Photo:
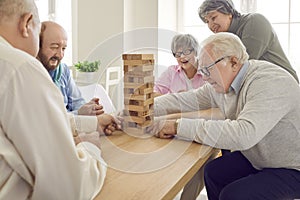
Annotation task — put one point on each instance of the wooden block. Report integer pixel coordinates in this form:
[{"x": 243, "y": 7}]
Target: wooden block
[
  {"x": 137, "y": 88},
  {"x": 146, "y": 90},
  {"x": 138, "y": 119},
  {"x": 135, "y": 113},
  {"x": 138, "y": 97},
  {"x": 137, "y": 91},
  {"x": 139, "y": 102},
  {"x": 137, "y": 56},
  {"x": 140, "y": 86},
  {"x": 129, "y": 124},
  {"x": 138, "y": 79},
  {"x": 141, "y": 68},
  {"x": 139, "y": 73},
  {"x": 138, "y": 62},
  {"x": 133, "y": 85},
  {"x": 138, "y": 108}
]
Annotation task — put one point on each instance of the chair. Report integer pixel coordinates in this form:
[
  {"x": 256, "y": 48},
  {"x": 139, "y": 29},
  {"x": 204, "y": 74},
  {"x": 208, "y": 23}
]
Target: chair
[
  {"x": 113, "y": 76},
  {"x": 96, "y": 90},
  {"x": 109, "y": 79}
]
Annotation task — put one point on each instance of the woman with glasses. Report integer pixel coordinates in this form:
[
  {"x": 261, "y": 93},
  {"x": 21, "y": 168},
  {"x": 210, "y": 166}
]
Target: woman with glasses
[
  {"x": 184, "y": 76},
  {"x": 253, "y": 29}
]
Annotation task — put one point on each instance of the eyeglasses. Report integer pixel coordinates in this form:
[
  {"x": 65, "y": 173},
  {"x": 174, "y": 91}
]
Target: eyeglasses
[
  {"x": 184, "y": 52},
  {"x": 205, "y": 70}
]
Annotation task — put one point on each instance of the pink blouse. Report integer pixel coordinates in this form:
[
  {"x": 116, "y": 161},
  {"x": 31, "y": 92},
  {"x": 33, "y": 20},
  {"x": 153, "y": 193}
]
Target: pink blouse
[{"x": 174, "y": 80}]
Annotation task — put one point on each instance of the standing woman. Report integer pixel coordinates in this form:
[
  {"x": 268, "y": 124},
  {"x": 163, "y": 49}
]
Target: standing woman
[
  {"x": 253, "y": 29},
  {"x": 184, "y": 76}
]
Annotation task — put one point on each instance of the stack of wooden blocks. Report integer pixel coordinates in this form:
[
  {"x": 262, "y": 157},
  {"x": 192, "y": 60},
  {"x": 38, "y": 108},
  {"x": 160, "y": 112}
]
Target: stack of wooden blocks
[{"x": 138, "y": 92}]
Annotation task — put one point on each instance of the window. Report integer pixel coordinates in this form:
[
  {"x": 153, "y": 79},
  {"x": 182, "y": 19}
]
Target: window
[
  {"x": 60, "y": 12},
  {"x": 283, "y": 15}
]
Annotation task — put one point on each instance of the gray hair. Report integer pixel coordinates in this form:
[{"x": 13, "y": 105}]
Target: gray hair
[
  {"x": 226, "y": 44},
  {"x": 11, "y": 8},
  {"x": 185, "y": 41},
  {"x": 222, "y": 6}
]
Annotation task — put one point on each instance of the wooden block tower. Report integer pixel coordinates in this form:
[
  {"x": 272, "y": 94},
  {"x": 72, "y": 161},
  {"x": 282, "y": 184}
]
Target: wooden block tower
[{"x": 138, "y": 92}]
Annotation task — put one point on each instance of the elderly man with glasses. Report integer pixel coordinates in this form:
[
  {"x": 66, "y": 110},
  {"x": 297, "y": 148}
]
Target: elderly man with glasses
[{"x": 261, "y": 105}]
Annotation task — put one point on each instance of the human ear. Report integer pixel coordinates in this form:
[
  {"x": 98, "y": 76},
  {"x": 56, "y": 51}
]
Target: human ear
[
  {"x": 24, "y": 24},
  {"x": 234, "y": 61}
]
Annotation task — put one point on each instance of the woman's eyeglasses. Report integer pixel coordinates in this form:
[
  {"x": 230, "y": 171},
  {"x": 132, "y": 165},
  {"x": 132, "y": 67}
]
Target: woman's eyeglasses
[{"x": 184, "y": 52}]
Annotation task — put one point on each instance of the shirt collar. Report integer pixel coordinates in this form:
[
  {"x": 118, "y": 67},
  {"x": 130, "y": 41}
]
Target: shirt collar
[
  {"x": 234, "y": 25},
  {"x": 178, "y": 68},
  {"x": 56, "y": 74},
  {"x": 5, "y": 42},
  {"x": 237, "y": 82}
]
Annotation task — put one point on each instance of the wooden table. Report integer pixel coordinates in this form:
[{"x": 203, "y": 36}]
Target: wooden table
[{"x": 149, "y": 168}]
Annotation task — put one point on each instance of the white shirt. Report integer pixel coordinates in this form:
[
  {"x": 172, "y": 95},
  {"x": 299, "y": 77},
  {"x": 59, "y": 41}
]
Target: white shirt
[{"x": 38, "y": 157}]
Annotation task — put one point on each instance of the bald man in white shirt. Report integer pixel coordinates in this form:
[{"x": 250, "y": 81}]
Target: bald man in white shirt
[{"x": 38, "y": 156}]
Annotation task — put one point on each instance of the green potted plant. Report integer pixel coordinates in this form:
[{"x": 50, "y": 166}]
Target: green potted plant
[
  {"x": 86, "y": 71},
  {"x": 87, "y": 66}
]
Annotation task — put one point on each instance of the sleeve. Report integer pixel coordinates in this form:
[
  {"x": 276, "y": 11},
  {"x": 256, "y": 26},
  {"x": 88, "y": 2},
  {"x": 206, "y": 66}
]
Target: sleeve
[
  {"x": 257, "y": 36},
  {"x": 192, "y": 100},
  {"x": 162, "y": 84},
  {"x": 83, "y": 123},
  {"x": 35, "y": 119},
  {"x": 254, "y": 121},
  {"x": 75, "y": 99}
]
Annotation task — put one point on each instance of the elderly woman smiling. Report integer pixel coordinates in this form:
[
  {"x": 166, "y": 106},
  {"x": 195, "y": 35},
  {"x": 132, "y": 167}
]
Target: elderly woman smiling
[{"x": 184, "y": 76}]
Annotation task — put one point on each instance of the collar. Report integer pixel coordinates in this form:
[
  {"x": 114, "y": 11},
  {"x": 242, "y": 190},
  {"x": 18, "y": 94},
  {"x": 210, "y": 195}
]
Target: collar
[
  {"x": 5, "y": 42},
  {"x": 234, "y": 25},
  {"x": 56, "y": 74},
  {"x": 178, "y": 68},
  {"x": 238, "y": 80}
]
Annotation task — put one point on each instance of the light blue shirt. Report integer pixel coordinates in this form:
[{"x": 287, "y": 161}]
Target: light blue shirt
[
  {"x": 237, "y": 82},
  {"x": 61, "y": 76}
]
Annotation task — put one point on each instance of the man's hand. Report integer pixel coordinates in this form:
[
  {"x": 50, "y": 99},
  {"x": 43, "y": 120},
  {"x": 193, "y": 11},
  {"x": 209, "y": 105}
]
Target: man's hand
[
  {"x": 108, "y": 124},
  {"x": 91, "y": 108},
  {"x": 163, "y": 129}
]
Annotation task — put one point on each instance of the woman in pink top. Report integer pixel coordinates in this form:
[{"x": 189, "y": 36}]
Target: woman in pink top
[{"x": 184, "y": 76}]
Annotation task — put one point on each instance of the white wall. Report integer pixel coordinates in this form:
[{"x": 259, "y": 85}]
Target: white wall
[{"x": 97, "y": 20}]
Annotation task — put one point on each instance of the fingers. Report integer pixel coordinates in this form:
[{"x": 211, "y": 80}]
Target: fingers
[
  {"x": 154, "y": 129},
  {"x": 97, "y": 110},
  {"x": 95, "y": 100},
  {"x": 97, "y": 107},
  {"x": 110, "y": 129},
  {"x": 117, "y": 121}
]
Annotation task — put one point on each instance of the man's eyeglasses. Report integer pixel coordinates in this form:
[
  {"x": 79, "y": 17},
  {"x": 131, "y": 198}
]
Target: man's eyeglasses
[
  {"x": 205, "y": 70},
  {"x": 184, "y": 52}
]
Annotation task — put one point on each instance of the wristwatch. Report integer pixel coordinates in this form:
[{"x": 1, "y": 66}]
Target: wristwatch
[{"x": 176, "y": 125}]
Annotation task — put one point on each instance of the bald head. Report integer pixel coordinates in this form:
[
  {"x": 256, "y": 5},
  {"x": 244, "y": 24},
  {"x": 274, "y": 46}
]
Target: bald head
[
  {"x": 51, "y": 30},
  {"x": 20, "y": 24},
  {"x": 53, "y": 42},
  {"x": 13, "y": 8}
]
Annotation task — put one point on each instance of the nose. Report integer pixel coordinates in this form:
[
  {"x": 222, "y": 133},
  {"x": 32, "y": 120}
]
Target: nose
[
  {"x": 60, "y": 52},
  {"x": 182, "y": 55},
  {"x": 210, "y": 24},
  {"x": 205, "y": 78}
]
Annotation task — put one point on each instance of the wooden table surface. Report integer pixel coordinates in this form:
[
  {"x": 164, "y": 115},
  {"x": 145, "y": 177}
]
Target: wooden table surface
[{"x": 149, "y": 167}]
